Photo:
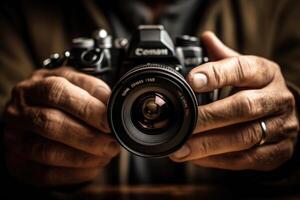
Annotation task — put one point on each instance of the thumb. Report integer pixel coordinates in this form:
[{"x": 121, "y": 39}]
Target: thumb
[{"x": 215, "y": 48}]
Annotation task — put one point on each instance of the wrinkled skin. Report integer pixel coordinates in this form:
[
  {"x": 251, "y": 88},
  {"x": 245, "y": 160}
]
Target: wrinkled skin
[
  {"x": 56, "y": 121},
  {"x": 228, "y": 130},
  {"x": 56, "y": 128}
]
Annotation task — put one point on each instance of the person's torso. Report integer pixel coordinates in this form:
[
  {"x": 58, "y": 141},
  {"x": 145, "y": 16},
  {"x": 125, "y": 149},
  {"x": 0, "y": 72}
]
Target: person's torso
[{"x": 246, "y": 26}]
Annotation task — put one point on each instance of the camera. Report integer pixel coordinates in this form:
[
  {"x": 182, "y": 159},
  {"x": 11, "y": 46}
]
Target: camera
[{"x": 152, "y": 110}]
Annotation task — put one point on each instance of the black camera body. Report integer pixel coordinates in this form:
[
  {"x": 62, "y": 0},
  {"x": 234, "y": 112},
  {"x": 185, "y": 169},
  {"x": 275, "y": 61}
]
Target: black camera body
[{"x": 152, "y": 110}]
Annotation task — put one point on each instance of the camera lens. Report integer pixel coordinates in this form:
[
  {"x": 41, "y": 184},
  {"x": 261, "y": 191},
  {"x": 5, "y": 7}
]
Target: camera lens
[
  {"x": 152, "y": 113},
  {"x": 152, "y": 110}
]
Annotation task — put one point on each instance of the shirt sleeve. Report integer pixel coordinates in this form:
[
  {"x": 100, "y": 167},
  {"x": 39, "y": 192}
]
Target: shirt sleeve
[
  {"x": 286, "y": 50},
  {"x": 15, "y": 60}
]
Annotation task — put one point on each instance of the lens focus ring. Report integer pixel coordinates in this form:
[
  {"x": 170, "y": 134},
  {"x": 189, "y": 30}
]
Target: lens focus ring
[{"x": 152, "y": 110}]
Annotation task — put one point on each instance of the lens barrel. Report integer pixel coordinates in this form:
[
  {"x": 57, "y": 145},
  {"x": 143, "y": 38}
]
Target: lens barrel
[{"x": 152, "y": 110}]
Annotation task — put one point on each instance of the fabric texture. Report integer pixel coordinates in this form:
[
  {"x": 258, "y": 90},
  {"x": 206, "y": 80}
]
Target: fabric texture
[{"x": 32, "y": 30}]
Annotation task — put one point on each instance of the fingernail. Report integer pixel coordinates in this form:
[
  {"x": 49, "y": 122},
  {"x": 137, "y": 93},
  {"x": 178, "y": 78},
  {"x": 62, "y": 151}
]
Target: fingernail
[
  {"x": 199, "y": 80},
  {"x": 184, "y": 151}
]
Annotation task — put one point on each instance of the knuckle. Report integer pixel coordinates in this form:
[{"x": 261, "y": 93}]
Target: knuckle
[
  {"x": 288, "y": 101},
  {"x": 248, "y": 161},
  {"x": 275, "y": 66},
  {"x": 286, "y": 151},
  {"x": 85, "y": 108},
  {"x": 42, "y": 120},
  {"x": 114, "y": 151},
  {"x": 201, "y": 147},
  {"x": 250, "y": 136},
  {"x": 280, "y": 154},
  {"x": 54, "y": 89},
  {"x": 103, "y": 146},
  {"x": 271, "y": 67},
  {"x": 244, "y": 71},
  {"x": 295, "y": 124},
  {"x": 101, "y": 91},
  {"x": 93, "y": 144},
  {"x": 205, "y": 117},
  {"x": 47, "y": 122},
  {"x": 254, "y": 104},
  {"x": 219, "y": 79},
  {"x": 10, "y": 112},
  {"x": 247, "y": 105},
  {"x": 22, "y": 85},
  {"x": 279, "y": 125},
  {"x": 272, "y": 159},
  {"x": 249, "y": 66},
  {"x": 18, "y": 93},
  {"x": 268, "y": 68},
  {"x": 293, "y": 136},
  {"x": 110, "y": 149}
]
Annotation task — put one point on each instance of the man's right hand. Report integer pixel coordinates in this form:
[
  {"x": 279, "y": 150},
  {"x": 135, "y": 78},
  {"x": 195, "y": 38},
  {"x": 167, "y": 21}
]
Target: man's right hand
[{"x": 56, "y": 128}]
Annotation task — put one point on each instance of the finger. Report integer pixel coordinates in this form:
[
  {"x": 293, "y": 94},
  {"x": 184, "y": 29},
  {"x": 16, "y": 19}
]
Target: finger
[
  {"x": 47, "y": 152},
  {"x": 17, "y": 94},
  {"x": 58, "y": 126},
  {"x": 94, "y": 86},
  {"x": 59, "y": 93},
  {"x": 235, "y": 138},
  {"x": 243, "y": 106},
  {"x": 44, "y": 176},
  {"x": 240, "y": 71},
  {"x": 264, "y": 158},
  {"x": 215, "y": 48},
  {"x": 282, "y": 127}
]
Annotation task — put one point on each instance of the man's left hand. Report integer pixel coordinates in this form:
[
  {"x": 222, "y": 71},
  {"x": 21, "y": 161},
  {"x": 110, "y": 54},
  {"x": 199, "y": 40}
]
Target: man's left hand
[{"x": 230, "y": 132}]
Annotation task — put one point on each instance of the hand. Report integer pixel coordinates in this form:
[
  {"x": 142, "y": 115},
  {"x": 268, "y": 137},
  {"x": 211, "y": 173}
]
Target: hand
[
  {"x": 228, "y": 131},
  {"x": 56, "y": 128}
]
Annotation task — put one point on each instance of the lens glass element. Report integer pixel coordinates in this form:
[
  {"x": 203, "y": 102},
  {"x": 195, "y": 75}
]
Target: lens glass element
[{"x": 152, "y": 113}]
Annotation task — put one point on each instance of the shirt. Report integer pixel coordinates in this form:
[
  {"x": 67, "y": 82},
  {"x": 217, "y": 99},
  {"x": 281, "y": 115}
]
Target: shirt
[
  {"x": 125, "y": 18},
  {"x": 32, "y": 30}
]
